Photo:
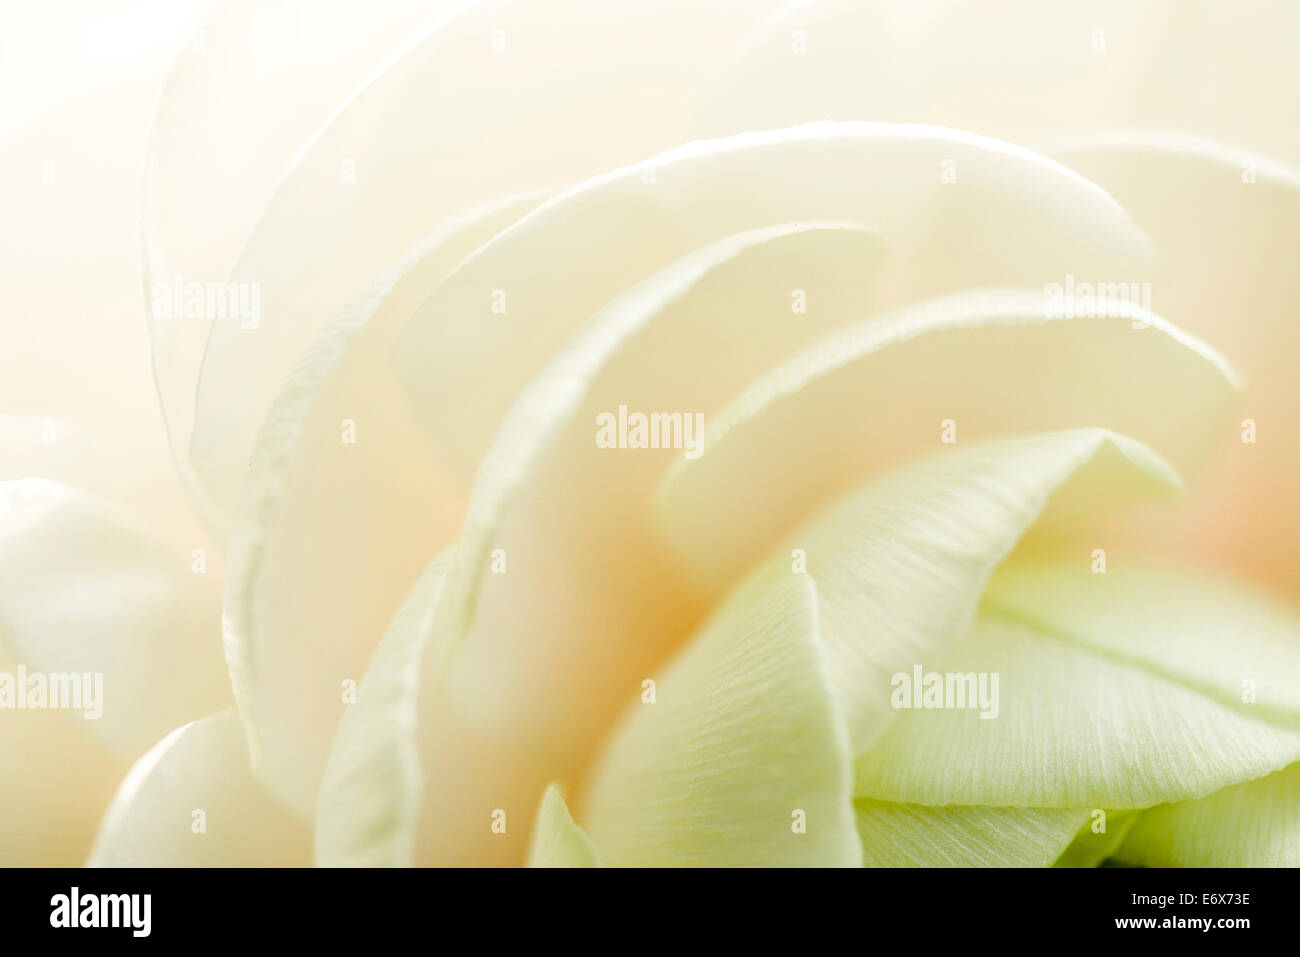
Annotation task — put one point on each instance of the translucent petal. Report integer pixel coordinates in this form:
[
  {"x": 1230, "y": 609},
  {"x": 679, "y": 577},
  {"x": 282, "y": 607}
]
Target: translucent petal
[
  {"x": 1020, "y": 219},
  {"x": 191, "y": 802},
  {"x": 85, "y": 591},
  {"x": 342, "y": 507},
  {"x": 972, "y": 364},
  {"x": 366, "y": 812}
]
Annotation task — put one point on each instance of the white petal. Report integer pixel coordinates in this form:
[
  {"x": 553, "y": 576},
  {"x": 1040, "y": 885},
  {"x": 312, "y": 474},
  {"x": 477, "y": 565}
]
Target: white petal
[
  {"x": 367, "y": 810},
  {"x": 988, "y": 361},
  {"x": 621, "y": 229},
  {"x": 330, "y": 534},
  {"x": 409, "y": 145},
  {"x": 82, "y": 590},
  {"x": 1225, "y": 273},
  {"x": 155, "y": 819}
]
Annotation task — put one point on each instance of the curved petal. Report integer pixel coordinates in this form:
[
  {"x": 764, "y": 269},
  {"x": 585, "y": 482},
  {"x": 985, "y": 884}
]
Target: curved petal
[
  {"x": 1216, "y": 636},
  {"x": 1072, "y": 727},
  {"x": 1090, "y": 847},
  {"x": 912, "y": 835},
  {"x": 557, "y": 841},
  {"x": 1019, "y": 217},
  {"x": 559, "y": 630},
  {"x": 55, "y": 781},
  {"x": 118, "y": 463},
  {"x": 1225, "y": 272},
  {"x": 367, "y": 809},
  {"x": 83, "y": 592},
  {"x": 321, "y": 554},
  {"x": 439, "y": 123},
  {"x": 549, "y": 403},
  {"x": 1256, "y": 824},
  {"x": 191, "y": 802},
  {"x": 986, "y": 361},
  {"x": 742, "y": 758},
  {"x": 901, "y": 565},
  {"x": 275, "y": 72}
]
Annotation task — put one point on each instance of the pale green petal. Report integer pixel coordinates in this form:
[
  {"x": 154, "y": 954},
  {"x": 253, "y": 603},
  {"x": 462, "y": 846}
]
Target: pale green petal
[
  {"x": 1204, "y": 632},
  {"x": 1073, "y": 728},
  {"x": 901, "y": 564},
  {"x": 192, "y": 802},
  {"x": 87, "y": 591},
  {"x": 982, "y": 361},
  {"x": 912, "y": 835},
  {"x": 742, "y": 745},
  {"x": 321, "y": 555},
  {"x": 1091, "y": 847},
  {"x": 368, "y": 805},
  {"x": 557, "y": 841},
  {"x": 1256, "y": 824}
]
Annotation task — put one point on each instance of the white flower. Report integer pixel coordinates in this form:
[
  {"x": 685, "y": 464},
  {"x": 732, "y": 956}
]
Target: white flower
[{"x": 951, "y": 290}]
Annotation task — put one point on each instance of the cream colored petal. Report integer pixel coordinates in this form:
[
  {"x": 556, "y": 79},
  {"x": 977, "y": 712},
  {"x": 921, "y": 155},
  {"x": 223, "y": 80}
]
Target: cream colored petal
[
  {"x": 368, "y": 804},
  {"x": 455, "y": 115},
  {"x": 1030, "y": 218},
  {"x": 1256, "y": 824},
  {"x": 557, "y": 841},
  {"x": 55, "y": 782},
  {"x": 574, "y": 601},
  {"x": 548, "y": 405},
  {"x": 191, "y": 802},
  {"x": 341, "y": 507},
  {"x": 276, "y": 73},
  {"x": 84, "y": 591},
  {"x": 1225, "y": 272},
  {"x": 912, "y": 835},
  {"x": 971, "y": 364},
  {"x": 741, "y": 759}
]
